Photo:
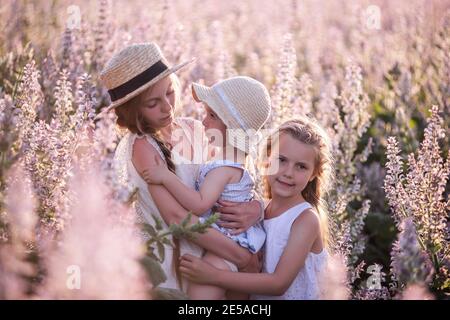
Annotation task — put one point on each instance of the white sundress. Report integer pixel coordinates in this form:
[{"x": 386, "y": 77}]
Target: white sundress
[{"x": 306, "y": 284}]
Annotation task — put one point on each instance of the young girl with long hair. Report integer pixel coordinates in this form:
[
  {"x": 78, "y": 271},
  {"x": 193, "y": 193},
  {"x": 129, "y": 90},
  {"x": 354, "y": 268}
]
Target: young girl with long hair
[{"x": 298, "y": 175}]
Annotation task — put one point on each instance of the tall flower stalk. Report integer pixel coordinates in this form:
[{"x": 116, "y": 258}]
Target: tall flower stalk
[{"x": 419, "y": 195}]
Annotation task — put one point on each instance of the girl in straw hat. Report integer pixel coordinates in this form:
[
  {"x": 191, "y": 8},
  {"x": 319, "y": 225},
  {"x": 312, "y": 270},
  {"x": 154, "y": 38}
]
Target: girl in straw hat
[
  {"x": 236, "y": 109},
  {"x": 299, "y": 170},
  {"x": 144, "y": 92}
]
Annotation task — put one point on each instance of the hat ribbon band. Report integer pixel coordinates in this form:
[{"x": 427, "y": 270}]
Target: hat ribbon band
[
  {"x": 137, "y": 81},
  {"x": 230, "y": 107}
]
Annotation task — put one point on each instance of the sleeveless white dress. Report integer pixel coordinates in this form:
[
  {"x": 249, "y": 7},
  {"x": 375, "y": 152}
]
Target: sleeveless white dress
[
  {"x": 145, "y": 205},
  {"x": 306, "y": 284}
]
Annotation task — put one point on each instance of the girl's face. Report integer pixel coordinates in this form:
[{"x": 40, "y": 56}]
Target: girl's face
[
  {"x": 158, "y": 103},
  {"x": 214, "y": 127},
  {"x": 292, "y": 166}
]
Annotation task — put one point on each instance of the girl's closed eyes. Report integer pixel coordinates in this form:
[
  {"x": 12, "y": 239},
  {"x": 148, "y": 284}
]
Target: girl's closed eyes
[
  {"x": 152, "y": 104},
  {"x": 154, "y": 101}
]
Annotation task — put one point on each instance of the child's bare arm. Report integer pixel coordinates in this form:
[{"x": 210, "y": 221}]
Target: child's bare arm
[
  {"x": 196, "y": 201},
  {"x": 304, "y": 232},
  {"x": 172, "y": 212},
  {"x": 200, "y": 201}
]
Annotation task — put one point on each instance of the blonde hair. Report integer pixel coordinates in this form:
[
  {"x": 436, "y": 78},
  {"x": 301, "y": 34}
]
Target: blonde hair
[{"x": 308, "y": 131}]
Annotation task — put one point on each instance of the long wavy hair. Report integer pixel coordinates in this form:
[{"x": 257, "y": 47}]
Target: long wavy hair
[
  {"x": 129, "y": 116},
  {"x": 308, "y": 131}
]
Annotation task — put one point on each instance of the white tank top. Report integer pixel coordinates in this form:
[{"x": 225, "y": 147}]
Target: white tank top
[{"x": 306, "y": 284}]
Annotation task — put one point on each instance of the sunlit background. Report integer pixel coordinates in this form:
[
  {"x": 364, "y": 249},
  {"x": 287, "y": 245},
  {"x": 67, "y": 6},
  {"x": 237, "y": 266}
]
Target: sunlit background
[{"x": 376, "y": 75}]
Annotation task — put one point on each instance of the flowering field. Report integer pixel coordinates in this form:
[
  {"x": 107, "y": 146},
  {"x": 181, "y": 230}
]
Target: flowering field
[{"x": 376, "y": 74}]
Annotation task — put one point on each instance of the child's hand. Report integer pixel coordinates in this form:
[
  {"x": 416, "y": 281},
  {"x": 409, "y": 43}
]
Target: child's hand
[
  {"x": 255, "y": 263},
  {"x": 156, "y": 173},
  {"x": 238, "y": 216},
  {"x": 196, "y": 270}
]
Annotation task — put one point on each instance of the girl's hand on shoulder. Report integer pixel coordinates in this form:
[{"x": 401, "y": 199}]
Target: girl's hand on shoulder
[
  {"x": 155, "y": 173},
  {"x": 197, "y": 270}
]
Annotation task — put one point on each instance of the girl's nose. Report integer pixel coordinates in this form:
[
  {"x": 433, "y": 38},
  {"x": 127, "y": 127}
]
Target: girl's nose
[
  {"x": 288, "y": 171},
  {"x": 166, "y": 106}
]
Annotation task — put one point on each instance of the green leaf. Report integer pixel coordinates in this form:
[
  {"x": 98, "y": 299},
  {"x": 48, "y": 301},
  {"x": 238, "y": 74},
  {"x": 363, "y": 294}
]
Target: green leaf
[
  {"x": 167, "y": 241},
  {"x": 151, "y": 252},
  {"x": 152, "y": 255},
  {"x": 154, "y": 270},
  {"x": 158, "y": 223},
  {"x": 161, "y": 251},
  {"x": 149, "y": 229},
  {"x": 446, "y": 284},
  {"x": 168, "y": 294},
  {"x": 186, "y": 220},
  {"x": 436, "y": 248}
]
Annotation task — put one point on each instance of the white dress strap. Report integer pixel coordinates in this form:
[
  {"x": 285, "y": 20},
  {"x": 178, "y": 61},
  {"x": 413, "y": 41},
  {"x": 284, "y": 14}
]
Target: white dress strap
[
  {"x": 293, "y": 213},
  {"x": 306, "y": 283},
  {"x": 288, "y": 217}
]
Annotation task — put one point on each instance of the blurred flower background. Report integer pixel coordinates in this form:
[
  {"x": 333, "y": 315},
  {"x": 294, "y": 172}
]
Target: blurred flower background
[{"x": 376, "y": 74}]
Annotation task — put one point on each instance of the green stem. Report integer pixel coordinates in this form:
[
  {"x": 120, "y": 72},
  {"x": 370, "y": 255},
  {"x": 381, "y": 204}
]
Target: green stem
[
  {"x": 433, "y": 256},
  {"x": 164, "y": 234},
  {"x": 16, "y": 84}
]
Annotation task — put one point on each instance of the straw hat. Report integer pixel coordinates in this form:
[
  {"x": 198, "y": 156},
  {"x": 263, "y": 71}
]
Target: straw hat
[
  {"x": 242, "y": 103},
  {"x": 132, "y": 70}
]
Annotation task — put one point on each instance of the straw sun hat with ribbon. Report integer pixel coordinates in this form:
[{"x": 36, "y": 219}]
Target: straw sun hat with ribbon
[
  {"x": 242, "y": 103},
  {"x": 134, "y": 69}
]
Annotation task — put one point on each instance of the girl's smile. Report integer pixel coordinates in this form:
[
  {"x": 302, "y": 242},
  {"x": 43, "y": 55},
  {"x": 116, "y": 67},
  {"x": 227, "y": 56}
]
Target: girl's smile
[
  {"x": 284, "y": 184},
  {"x": 293, "y": 167}
]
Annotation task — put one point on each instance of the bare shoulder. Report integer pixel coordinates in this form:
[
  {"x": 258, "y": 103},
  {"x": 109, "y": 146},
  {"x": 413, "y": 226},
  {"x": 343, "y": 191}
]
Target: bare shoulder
[
  {"x": 143, "y": 154},
  {"x": 307, "y": 220}
]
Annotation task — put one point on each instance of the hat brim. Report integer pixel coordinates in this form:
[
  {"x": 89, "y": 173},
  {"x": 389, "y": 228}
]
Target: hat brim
[
  {"x": 207, "y": 95},
  {"x": 144, "y": 87},
  {"x": 202, "y": 93}
]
